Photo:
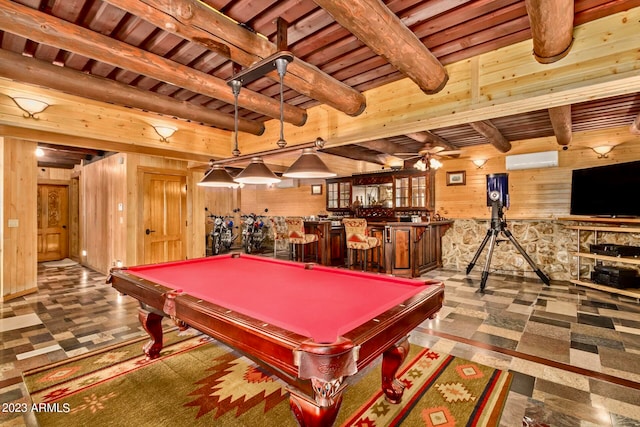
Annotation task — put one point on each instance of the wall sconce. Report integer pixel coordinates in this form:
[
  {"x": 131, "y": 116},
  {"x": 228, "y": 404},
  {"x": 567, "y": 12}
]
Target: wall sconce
[
  {"x": 39, "y": 152},
  {"x": 603, "y": 150},
  {"x": 31, "y": 107},
  {"x": 479, "y": 163},
  {"x": 165, "y": 132}
]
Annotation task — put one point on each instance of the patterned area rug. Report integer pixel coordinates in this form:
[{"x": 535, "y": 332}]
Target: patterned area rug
[{"x": 197, "y": 381}]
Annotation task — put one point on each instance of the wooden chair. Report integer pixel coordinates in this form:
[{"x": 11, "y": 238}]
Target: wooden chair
[
  {"x": 358, "y": 239},
  {"x": 297, "y": 236}
]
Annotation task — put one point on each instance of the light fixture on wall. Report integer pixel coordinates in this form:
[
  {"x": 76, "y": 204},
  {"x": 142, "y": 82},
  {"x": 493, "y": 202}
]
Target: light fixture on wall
[
  {"x": 277, "y": 61},
  {"x": 256, "y": 172},
  {"x": 30, "y": 106},
  {"x": 218, "y": 176},
  {"x": 603, "y": 150},
  {"x": 309, "y": 164},
  {"x": 39, "y": 152},
  {"x": 479, "y": 163},
  {"x": 165, "y": 132}
]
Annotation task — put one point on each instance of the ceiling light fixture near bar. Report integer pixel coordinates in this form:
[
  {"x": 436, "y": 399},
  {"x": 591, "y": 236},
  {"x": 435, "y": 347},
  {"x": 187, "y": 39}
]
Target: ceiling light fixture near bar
[
  {"x": 218, "y": 176},
  {"x": 257, "y": 173},
  {"x": 309, "y": 165}
]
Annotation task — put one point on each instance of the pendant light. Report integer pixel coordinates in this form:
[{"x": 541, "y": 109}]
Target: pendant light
[
  {"x": 218, "y": 176},
  {"x": 308, "y": 165},
  {"x": 257, "y": 173}
]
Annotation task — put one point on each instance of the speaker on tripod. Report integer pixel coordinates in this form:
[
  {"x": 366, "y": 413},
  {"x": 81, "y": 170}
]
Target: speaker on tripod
[{"x": 498, "y": 199}]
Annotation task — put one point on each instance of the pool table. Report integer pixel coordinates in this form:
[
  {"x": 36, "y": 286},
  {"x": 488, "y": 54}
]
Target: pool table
[{"x": 310, "y": 325}]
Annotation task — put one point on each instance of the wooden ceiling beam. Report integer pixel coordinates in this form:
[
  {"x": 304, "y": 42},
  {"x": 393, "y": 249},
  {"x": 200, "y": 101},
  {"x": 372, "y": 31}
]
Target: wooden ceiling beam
[
  {"x": 495, "y": 137},
  {"x": 375, "y": 25},
  {"x": 56, "y": 164},
  {"x": 432, "y": 139},
  {"x": 350, "y": 153},
  {"x": 42, "y": 28},
  {"x": 561, "y": 122},
  {"x": 199, "y": 23},
  {"x": 381, "y": 145},
  {"x": 551, "y": 28},
  {"x": 34, "y": 71},
  {"x": 74, "y": 150}
]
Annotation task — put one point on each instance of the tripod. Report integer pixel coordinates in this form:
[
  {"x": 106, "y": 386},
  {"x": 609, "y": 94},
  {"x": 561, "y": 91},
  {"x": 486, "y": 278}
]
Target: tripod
[{"x": 499, "y": 224}]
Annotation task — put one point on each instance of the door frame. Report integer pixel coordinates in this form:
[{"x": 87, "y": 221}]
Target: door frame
[{"x": 140, "y": 226}]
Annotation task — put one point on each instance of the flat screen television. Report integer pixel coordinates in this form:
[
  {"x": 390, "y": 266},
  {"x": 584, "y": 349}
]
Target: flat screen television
[{"x": 611, "y": 191}]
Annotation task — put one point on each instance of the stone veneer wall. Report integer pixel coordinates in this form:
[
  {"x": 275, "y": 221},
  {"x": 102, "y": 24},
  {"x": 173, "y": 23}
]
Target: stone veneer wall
[{"x": 549, "y": 243}]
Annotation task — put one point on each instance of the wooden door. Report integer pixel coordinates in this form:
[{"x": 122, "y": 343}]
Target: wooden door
[
  {"x": 53, "y": 214},
  {"x": 164, "y": 217}
]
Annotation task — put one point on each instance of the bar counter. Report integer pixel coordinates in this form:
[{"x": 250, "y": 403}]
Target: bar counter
[{"x": 408, "y": 248}]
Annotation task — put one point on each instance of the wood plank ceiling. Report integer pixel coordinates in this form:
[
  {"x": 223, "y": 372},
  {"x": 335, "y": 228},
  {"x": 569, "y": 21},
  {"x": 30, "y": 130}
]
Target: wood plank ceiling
[{"x": 173, "y": 57}]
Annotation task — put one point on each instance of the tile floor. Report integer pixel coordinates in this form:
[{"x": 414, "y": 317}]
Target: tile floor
[{"x": 574, "y": 352}]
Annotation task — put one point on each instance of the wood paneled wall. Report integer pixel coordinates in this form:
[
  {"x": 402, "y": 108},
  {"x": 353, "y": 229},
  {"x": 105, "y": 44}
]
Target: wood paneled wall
[
  {"x": 542, "y": 193},
  {"x": 18, "y": 243},
  {"x": 104, "y": 233},
  {"x": 297, "y": 201}
]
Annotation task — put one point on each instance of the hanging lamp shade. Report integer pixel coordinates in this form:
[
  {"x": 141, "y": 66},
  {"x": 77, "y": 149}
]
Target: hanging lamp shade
[
  {"x": 256, "y": 172},
  {"x": 308, "y": 165},
  {"x": 218, "y": 177}
]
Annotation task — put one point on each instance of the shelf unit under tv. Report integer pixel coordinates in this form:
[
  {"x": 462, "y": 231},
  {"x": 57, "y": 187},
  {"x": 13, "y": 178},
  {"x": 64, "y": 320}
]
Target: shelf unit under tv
[{"x": 604, "y": 225}]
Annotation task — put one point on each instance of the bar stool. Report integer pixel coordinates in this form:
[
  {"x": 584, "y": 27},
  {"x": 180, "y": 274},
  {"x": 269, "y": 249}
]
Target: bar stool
[
  {"x": 297, "y": 236},
  {"x": 278, "y": 235},
  {"x": 358, "y": 239}
]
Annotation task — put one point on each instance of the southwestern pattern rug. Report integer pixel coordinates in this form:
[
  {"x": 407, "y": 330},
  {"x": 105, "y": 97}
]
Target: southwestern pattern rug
[{"x": 198, "y": 381}]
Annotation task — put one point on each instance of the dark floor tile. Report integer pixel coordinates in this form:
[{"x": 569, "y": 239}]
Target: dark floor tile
[
  {"x": 37, "y": 339},
  {"x": 522, "y": 384},
  {"x": 597, "y": 341},
  {"x": 599, "y": 321},
  {"x": 598, "y": 304},
  {"x": 495, "y": 340},
  {"x": 544, "y": 347},
  {"x": 584, "y": 347},
  {"x": 563, "y": 391},
  {"x": 619, "y": 359},
  {"x": 615, "y": 391},
  {"x": 507, "y": 320},
  {"x": 547, "y": 321}
]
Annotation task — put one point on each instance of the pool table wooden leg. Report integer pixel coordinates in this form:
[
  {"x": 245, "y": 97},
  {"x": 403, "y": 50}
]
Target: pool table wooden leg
[
  {"x": 309, "y": 414},
  {"x": 391, "y": 361},
  {"x": 152, "y": 323}
]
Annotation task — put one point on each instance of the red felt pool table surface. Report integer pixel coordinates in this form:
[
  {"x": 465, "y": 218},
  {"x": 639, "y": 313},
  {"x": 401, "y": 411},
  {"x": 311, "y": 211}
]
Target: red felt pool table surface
[{"x": 319, "y": 302}]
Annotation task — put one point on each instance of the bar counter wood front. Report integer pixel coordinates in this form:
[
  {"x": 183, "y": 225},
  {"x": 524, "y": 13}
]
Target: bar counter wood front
[{"x": 408, "y": 248}]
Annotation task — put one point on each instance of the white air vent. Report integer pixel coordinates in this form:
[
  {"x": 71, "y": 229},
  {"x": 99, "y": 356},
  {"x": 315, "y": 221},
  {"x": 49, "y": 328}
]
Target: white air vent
[
  {"x": 545, "y": 159},
  {"x": 287, "y": 183}
]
